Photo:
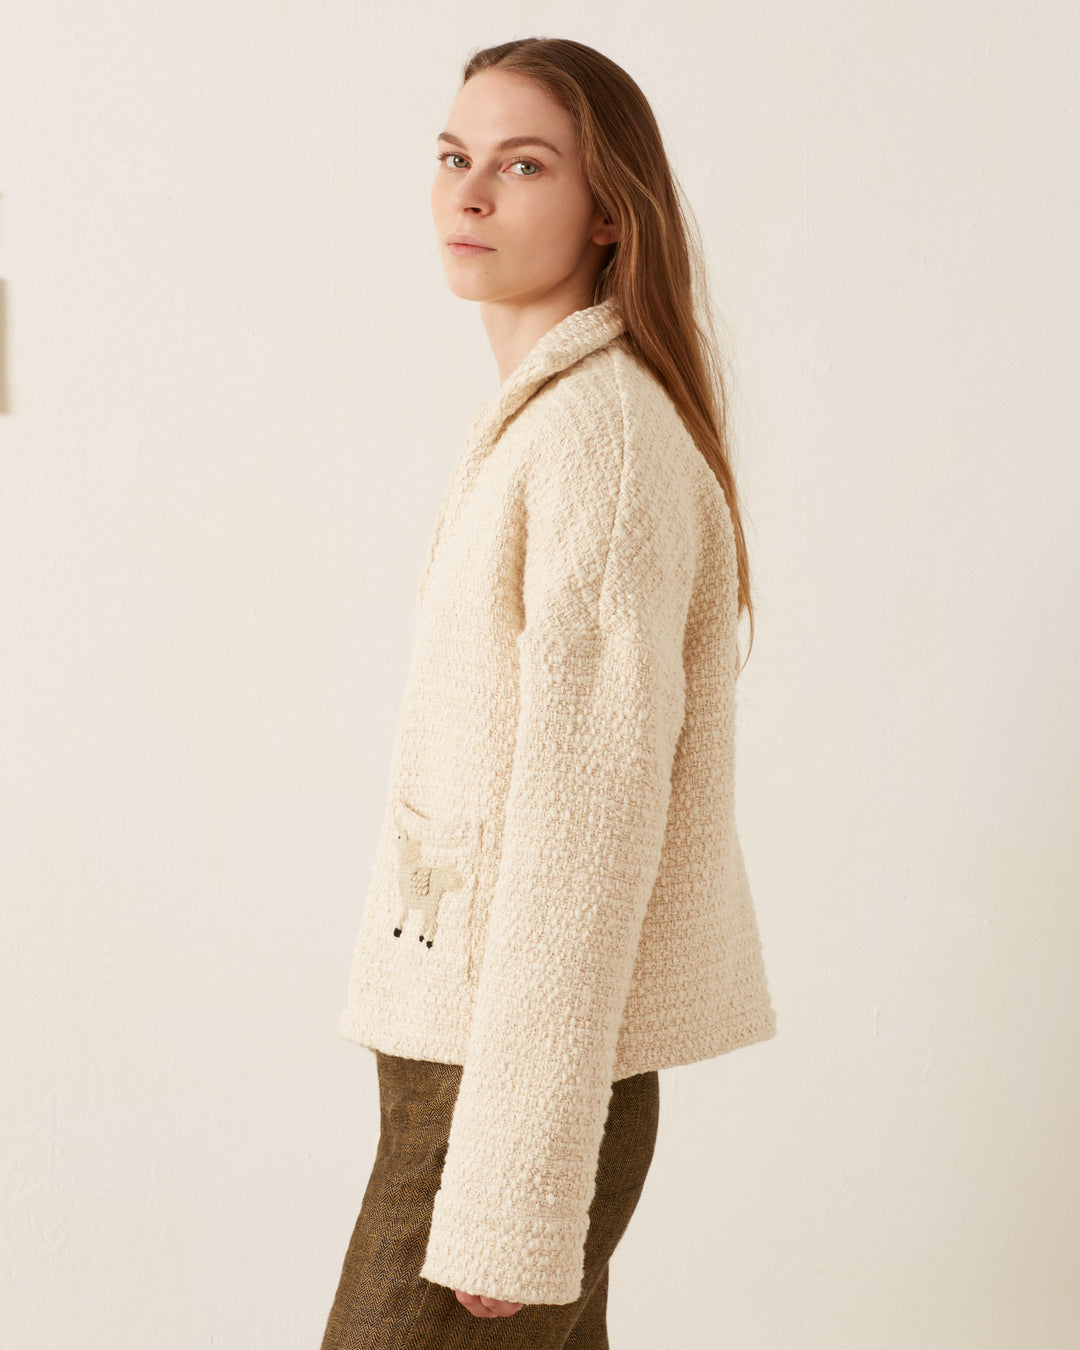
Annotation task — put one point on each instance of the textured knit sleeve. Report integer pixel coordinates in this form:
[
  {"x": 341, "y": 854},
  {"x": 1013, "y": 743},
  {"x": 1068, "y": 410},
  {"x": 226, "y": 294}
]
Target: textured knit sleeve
[{"x": 607, "y": 576}]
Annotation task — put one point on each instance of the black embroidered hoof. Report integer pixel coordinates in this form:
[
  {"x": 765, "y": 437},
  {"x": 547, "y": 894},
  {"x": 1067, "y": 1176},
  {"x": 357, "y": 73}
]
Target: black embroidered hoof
[
  {"x": 430, "y": 941},
  {"x": 420, "y": 938},
  {"x": 397, "y": 932}
]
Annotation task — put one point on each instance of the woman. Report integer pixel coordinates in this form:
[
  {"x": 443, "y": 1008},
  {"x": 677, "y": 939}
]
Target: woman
[{"x": 558, "y": 906}]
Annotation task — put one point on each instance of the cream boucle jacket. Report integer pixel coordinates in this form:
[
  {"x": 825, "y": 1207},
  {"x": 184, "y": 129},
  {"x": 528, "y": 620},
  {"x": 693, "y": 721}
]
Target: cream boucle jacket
[{"x": 558, "y": 897}]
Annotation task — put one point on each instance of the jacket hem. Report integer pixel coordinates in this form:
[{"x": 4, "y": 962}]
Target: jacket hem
[
  {"x": 393, "y": 1036},
  {"x": 747, "y": 1028}
]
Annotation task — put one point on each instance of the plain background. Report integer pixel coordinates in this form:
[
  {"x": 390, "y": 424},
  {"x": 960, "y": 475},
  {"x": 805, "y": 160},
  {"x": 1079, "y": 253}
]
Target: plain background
[{"x": 234, "y": 386}]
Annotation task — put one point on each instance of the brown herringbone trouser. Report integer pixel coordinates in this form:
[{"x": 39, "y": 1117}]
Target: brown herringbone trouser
[{"x": 381, "y": 1301}]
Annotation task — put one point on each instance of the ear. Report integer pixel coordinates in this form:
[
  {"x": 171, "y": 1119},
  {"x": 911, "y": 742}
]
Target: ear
[{"x": 605, "y": 233}]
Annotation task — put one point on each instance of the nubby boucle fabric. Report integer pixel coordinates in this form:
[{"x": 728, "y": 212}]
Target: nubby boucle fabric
[{"x": 558, "y": 897}]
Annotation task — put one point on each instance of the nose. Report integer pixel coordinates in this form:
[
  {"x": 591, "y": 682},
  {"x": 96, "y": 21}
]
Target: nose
[{"x": 470, "y": 194}]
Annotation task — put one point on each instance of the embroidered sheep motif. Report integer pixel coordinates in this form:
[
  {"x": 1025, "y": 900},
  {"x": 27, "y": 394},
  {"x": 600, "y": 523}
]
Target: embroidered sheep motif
[{"x": 421, "y": 886}]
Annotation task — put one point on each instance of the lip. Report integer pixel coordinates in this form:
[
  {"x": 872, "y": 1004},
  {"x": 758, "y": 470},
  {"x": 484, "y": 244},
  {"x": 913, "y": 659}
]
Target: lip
[{"x": 467, "y": 244}]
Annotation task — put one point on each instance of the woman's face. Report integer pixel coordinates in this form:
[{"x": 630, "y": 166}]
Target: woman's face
[{"x": 528, "y": 203}]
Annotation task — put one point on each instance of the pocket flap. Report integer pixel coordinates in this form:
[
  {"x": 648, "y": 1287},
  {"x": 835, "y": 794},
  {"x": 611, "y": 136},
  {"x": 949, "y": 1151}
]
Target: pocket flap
[{"x": 441, "y": 833}]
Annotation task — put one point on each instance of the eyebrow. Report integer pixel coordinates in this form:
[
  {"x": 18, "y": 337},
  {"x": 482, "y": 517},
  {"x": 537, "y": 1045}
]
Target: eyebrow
[{"x": 511, "y": 142}]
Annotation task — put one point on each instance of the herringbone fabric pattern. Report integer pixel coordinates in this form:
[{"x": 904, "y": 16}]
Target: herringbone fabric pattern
[{"x": 382, "y": 1303}]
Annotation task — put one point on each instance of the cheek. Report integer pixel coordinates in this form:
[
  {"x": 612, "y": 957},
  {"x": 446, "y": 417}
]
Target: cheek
[
  {"x": 553, "y": 226},
  {"x": 442, "y": 188},
  {"x": 563, "y": 234}
]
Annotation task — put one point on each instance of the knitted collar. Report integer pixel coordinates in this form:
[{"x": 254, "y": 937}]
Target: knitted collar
[{"x": 569, "y": 341}]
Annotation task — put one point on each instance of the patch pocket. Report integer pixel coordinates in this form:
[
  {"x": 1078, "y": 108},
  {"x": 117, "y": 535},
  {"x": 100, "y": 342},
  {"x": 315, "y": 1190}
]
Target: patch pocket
[{"x": 435, "y": 865}]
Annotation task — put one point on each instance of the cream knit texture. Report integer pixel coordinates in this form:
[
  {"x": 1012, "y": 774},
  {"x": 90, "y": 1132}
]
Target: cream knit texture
[{"x": 558, "y": 897}]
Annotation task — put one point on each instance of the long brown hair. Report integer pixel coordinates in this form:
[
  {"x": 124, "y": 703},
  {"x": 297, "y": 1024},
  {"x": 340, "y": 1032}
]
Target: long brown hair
[{"x": 656, "y": 271}]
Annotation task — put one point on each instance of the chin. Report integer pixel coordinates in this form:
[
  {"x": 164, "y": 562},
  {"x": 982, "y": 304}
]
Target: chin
[{"x": 469, "y": 289}]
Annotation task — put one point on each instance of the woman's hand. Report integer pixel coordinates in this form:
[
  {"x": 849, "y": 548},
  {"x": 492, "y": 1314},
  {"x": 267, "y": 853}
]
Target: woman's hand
[{"x": 480, "y": 1306}]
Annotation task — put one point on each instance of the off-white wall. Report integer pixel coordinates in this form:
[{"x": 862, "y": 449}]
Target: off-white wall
[{"x": 235, "y": 386}]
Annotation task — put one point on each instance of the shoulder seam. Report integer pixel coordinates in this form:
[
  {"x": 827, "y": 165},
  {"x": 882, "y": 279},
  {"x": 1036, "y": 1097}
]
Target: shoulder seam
[{"x": 617, "y": 506}]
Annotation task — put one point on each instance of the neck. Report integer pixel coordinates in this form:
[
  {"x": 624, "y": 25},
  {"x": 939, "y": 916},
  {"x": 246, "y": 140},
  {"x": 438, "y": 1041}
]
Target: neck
[{"x": 514, "y": 328}]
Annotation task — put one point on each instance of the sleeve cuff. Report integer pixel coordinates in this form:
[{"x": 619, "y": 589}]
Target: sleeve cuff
[{"x": 520, "y": 1258}]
